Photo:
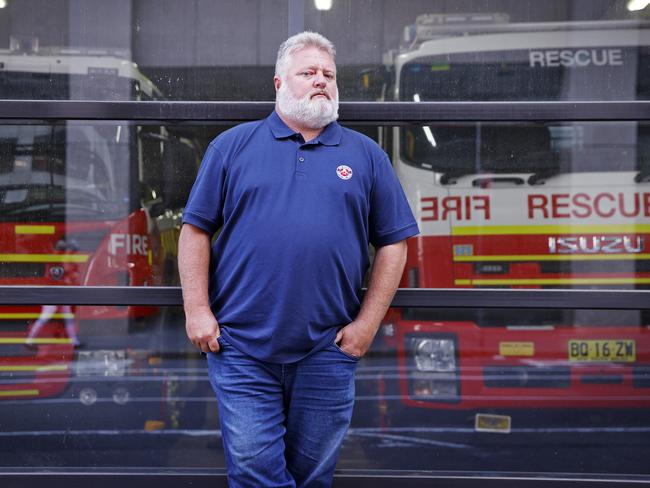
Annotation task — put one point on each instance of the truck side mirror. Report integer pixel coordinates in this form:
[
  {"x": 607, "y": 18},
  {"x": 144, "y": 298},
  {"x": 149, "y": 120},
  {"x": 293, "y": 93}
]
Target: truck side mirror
[{"x": 371, "y": 82}]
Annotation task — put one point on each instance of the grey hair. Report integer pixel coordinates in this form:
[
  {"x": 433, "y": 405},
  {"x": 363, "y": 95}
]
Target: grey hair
[{"x": 296, "y": 43}]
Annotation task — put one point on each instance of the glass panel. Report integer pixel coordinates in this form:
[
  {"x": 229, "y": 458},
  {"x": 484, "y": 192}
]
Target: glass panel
[
  {"x": 94, "y": 50},
  {"x": 130, "y": 394},
  {"x": 480, "y": 391},
  {"x": 499, "y": 204},
  {"x": 93, "y": 203},
  {"x": 609, "y": 71},
  {"x": 225, "y": 49},
  {"x": 561, "y": 391},
  {"x": 554, "y": 205},
  {"x": 576, "y": 50},
  {"x": 545, "y": 150}
]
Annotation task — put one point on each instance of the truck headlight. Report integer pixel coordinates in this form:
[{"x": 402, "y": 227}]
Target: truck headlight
[
  {"x": 433, "y": 368},
  {"x": 436, "y": 388},
  {"x": 101, "y": 363},
  {"x": 434, "y": 354}
]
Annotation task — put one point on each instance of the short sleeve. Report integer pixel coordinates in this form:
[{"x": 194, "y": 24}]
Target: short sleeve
[
  {"x": 204, "y": 207},
  {"x": 391, "y": 219}
]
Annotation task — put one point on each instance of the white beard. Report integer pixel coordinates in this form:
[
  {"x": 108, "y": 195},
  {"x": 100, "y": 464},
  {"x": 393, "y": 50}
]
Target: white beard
[{"x": 308, "y": 112}]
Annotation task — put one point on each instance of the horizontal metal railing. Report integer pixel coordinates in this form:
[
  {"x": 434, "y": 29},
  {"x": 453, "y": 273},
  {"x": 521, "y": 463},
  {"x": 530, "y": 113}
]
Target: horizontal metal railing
[
  {"x": 405, "y": 297},
  {"x": 368, "y": 113},
  {"x": 377, "y": 479}
]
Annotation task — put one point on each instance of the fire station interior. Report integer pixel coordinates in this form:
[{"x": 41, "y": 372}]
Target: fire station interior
[{"x": 517, "y": 348}]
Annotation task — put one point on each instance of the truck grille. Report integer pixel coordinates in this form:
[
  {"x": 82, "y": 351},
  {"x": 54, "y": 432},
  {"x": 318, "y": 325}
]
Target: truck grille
[
  {"x": 641, "y": 376},
  {"x": 15, "y": 350},
  {"x": 526, "y": 377},
  {"x": 22, "y": 270},
  {"x": 623, "y": 266}
]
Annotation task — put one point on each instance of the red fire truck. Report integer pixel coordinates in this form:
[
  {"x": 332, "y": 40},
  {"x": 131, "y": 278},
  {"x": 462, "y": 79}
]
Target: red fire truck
[
  {"x": 83, "y": 203},
  {"x": 522, "y": 205}
]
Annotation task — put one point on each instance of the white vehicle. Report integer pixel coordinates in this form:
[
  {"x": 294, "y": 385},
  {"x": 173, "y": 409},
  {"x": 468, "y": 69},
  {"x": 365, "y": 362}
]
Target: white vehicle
[
  {"x": 84, "y": 203},
  {"x": 71, "y": 74},
  {"x": 534, "y": 205}
]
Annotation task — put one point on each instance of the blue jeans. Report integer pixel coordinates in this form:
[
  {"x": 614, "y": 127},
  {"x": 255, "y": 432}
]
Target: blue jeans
[{"x": 282, "y": 424}]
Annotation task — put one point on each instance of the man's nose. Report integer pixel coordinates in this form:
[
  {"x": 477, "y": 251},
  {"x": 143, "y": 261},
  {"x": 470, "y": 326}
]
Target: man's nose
[{"x": 319, "y": 80}]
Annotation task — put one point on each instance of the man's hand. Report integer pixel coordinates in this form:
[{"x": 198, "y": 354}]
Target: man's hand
[
  {"x": 202, "y": 329},
  {"x": 193, "y": 262},
  {"x": 355, "y": 338}
]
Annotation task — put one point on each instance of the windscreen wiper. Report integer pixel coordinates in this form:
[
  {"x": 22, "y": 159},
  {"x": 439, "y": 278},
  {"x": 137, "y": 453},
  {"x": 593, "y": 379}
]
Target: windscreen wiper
[
  {"x": 450, "y": 177},
  {"x": 488, "y": 181},
  {"x": 642, "y": 176},
  {"x": 540, "y": 177}
]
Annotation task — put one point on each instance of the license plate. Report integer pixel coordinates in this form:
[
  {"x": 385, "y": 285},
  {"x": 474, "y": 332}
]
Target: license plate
[
  {"x": 486, "y": 422},
  {"x": 623, "y": 350}
]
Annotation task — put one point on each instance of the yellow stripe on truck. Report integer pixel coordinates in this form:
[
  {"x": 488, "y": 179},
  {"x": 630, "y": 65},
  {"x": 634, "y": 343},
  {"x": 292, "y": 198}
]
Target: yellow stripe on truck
[
  {"x": 29, "y": 316},
  {"x": 37, "y": 340},
  {"x": 40, "y": 368},
  {"x": 493, "y": 230},
  {"x": 7, "y": 393},
  {"x": 35, "y": 229},
  {"x": 44, "y": 258},
  {"x": 552, "y": 257},
  {"x": 552, "y": 281}
]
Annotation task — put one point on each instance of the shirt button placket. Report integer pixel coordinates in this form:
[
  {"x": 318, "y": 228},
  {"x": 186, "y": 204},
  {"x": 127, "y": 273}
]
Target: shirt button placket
[{"x": 300, "y": 164}]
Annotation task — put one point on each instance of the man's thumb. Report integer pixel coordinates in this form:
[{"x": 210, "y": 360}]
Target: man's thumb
[{"x": 339, "y": 336}]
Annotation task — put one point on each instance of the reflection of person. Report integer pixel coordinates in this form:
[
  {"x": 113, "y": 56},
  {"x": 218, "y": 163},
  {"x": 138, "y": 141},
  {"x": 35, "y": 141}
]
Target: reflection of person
[
  {"x": 47, "y": 312},
  {"x": 70, "y": 276},
  {"x": 297, "y": 198}
]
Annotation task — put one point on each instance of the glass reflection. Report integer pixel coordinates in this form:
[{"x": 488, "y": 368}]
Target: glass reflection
[
  {"x": 541, "y": 205},
  {"x": 92, "y": 203},
  {"x": 174, "y": 45},
  {"x": 563, "y": 391},
  {"x": 554, "y": 205},
  {"x": 132, "y": 385},
  {"x": 524, "y": 390},
  {"x": 30, "y": 72},
  {"x": 530, "y": 51}
]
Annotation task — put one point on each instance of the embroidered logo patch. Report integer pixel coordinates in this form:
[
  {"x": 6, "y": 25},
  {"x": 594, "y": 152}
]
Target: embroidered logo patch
[{"x": 344, "y": 172}]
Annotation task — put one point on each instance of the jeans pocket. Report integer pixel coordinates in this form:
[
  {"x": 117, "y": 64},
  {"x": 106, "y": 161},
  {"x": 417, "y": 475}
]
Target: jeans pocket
[{"x": 346, "y": 354}]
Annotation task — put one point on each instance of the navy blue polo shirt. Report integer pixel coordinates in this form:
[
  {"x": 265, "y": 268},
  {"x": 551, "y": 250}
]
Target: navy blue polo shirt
[{"x": 295, "y": 220}]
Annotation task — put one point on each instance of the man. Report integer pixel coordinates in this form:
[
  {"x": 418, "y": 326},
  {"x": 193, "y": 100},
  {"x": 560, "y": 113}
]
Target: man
[{"x": 275, "y": 301}]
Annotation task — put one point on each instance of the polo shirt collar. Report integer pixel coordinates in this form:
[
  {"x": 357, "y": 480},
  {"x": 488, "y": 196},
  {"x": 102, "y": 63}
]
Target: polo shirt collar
[{"x": 331, "y": 135}]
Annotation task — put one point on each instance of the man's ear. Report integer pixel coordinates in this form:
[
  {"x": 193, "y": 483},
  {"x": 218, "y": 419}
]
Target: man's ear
[{"x": 277, "y": 82}]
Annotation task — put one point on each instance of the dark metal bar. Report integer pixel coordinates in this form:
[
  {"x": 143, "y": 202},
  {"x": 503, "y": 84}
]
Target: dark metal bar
[
  {"x": 90, "y": 295},
  {"x": 389, "y": 479},
  {"x": 506, "y": 298},
  {"x": 375, "y": 113},
  {"x": 405, "y": 297},
  {"x": 296, "y": 16}
]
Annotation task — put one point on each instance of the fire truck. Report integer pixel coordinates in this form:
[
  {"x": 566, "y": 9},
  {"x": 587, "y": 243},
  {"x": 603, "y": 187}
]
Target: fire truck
[
  {"x": 521, "y": 205},
  {"x": 84, "y": 203}
]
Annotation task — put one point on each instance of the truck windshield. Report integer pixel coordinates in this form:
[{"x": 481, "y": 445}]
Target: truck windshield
[
  {"x": 580, "y": 74},
  {"x": 64, "y": 172},
  {"x": 55, "y": 172},
  {"x": 104, "y": 85}
]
